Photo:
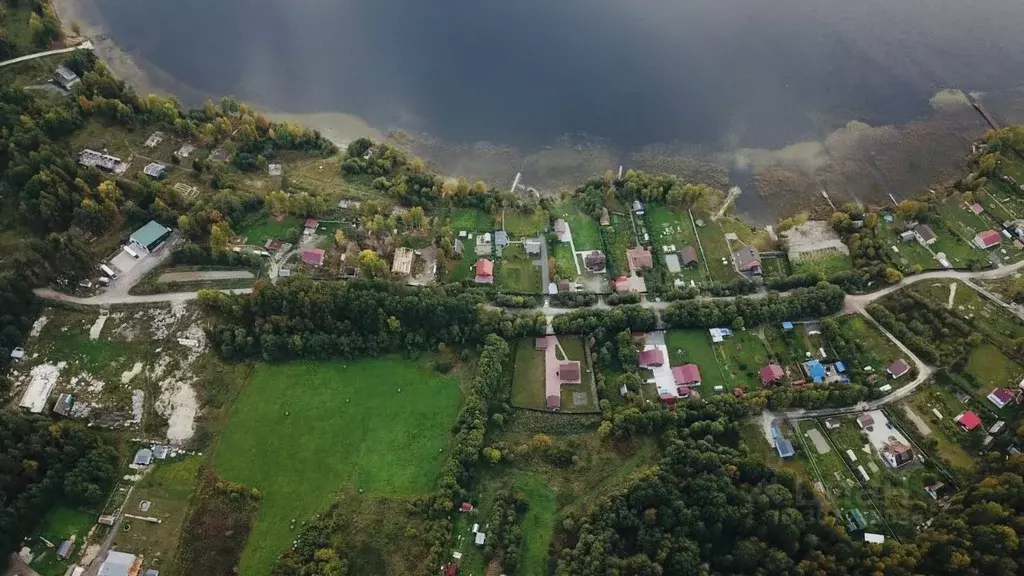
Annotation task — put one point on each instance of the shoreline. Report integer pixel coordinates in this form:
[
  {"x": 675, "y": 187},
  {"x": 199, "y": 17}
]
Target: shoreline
[{"x": 855, "y": 163}]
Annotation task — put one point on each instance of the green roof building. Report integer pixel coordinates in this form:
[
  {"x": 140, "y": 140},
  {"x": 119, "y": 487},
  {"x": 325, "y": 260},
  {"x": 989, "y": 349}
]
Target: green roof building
[{"x": 150, "y": 236}]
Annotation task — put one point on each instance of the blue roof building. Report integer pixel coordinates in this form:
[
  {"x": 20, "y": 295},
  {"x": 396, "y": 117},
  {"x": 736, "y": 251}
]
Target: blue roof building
[
  {"x": 787, "y": 325},
  {"x": 840, "y": 367},
  {"x": 776, "y": 433},
  {"x": 784, "y": 447},
  {"x": 815, "y": 371}
]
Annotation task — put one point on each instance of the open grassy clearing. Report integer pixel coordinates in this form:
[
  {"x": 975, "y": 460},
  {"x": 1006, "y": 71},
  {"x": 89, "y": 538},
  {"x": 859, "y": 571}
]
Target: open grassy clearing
[
  {"x": 526, "y": 225},
  {"x": 733, "y": 363},
  {"x": 528, "y": 381},
  {"x": 302, "y": 430},
  {"x": 987, "y": 317},
  {"x": 716, "y": 250},
  {"x": 264, "y": 228},
  {"x": 999, "y": 200},
  {"x": 991, "y": 368},
  {"x": 825, "y": 265},
  {"x": 168, "y": 487},
  {"x": 880, "y": 350},
  {"x": 563, "y": 254},
  {"x": 585, "y": 230},
  {"x": 618, "y": 238},
  {"x": 16, "y": 23},
  {"x": 1012, "y": 166},
  {"x": 672, "y": 228},
  {"x": 59, "y": 525},
  {"x": 470, "y": 220},
  {"x": 756, "y": 237},
  {"x": 538, "y": 525},
  {"x": 516, "y": 272}
]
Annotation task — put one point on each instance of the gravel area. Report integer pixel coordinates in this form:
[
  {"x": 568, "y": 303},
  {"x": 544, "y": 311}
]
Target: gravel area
[{"x": 204, "y": 276}]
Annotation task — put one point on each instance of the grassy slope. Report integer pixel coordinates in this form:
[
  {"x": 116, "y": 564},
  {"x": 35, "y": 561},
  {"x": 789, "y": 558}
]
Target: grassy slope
[
  {"x": 302, "y": 430},
  {"x": 538, "y": 525}
]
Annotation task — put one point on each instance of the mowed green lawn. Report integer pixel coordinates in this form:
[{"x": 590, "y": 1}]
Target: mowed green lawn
[
  {"x": 538, "y": 525},
  {"x": 301, "y": 430}
]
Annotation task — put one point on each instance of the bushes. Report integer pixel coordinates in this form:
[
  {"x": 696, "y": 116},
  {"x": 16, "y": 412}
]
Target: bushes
[
  {"x": 573, "y": 299},
  {"x": 513, "y": 301},
  {"x": 190, "y": 254}
]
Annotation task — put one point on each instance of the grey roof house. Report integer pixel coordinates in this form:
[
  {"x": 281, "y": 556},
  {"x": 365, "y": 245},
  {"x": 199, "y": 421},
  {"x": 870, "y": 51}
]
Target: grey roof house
[
  {"x": 117, "y": 564},
  {"x": 143, "y": 457},
  {"x": 155, "y": 170},
  {"x": 64, "y": 77}
]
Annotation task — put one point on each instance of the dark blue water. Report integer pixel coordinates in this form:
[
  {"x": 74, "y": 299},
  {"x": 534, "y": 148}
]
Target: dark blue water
[{"x": 730, "y": 73}]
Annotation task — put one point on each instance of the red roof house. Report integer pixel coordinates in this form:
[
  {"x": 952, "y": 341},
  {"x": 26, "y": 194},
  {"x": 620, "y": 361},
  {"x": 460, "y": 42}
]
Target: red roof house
[
  {"x": 466, "y": 507},
  {"x": 686, "y": 375},
  {"x": 311, "y": 225},
  {"x": 987, "y": 239},
  {"x": 1000, "y": 397},
  {"x": 484, "y": 271},
  {"x": 977, "y": 208},
  {"x": 771, "y": 373},
  {"x": 569, "y": 372},
  {"x": 313, "y": 256},
  {"x": 554, "y": 402},
  {"x": 968, "y": 420},
  {"x": 648, "y": 358}
]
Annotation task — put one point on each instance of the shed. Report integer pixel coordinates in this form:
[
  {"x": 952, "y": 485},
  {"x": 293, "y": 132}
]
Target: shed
[
  {"x": 143, "y": 457},
  {"x": 784, "y": 447},
  {"x": 160, "y": 451},
  {"x": 873, "y": 538},
  {"x": 501, "y": 238},
  {"x": 787, "y": 325},
  {"x": 64, "y": 404},
  {"x": 532, "y": 247},
  {"x": 840, "y": 367},
  {"x": 155, "y": 170},
  {"x": 831, "y": 423},
  {"x": 480, "y": 538},
  {"x": 65, "y": 549},
  {"x": 18, "y": 354},
  {"x": 688, "y": 256}
]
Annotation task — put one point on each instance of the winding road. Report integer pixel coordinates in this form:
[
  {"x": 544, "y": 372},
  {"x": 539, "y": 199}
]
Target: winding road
[{"x": 87, "y": 45}]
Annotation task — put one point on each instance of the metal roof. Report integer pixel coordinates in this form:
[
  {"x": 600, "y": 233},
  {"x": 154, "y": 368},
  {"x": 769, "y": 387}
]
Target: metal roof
[{"x": 150, "y": 233}]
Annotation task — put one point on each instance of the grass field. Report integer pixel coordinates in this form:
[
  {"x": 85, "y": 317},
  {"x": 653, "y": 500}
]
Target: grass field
[
  {"x": 733, "y": 363},
  {"x": 716, "y": 248},
  {"x": 516, "y": 272},
  {"x": 169, "y": 487},
  {"x": 59, "y": 525},
  {"x": 671, "y": 228},
  {"x": 1012, "y": 167},
  {"x": 694, "y": 347},
  {"x": 562, "y": 252},
  {"x": 944, "y": 431},
  {"x": 910, "y": 254},
  {"x": 266, "y": 228},
  {"x": 303, "y": 430},
  {"x": 528, "y": 380},
  {"x": 538, "y": 525},
  {"x": 880, "y": 351},
  {"x": 619, "y": 238},
  {"x": 825, "y": 265},
  {"x": 585, "y": 230},
  {"x": 991, "y": 368},
  {"x": 470, "y": 220},
  {"x": 526, "y": 225}
]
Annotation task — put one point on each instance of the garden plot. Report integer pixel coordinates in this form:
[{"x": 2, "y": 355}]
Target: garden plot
[{"x": 673, "y": 230}]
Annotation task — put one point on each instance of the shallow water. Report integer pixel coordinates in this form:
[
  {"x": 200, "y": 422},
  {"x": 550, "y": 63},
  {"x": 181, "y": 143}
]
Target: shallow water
[{"x": 727, "y": 73}]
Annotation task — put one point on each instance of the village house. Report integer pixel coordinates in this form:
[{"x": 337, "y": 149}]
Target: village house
[
  {"x": 832, "y": 423},
  {"x": 155, "y": 170},
  {"x": 595, "y": 261},
  {"x": 935, "y": 490},
  {"x": 120, "y": 564},
  {"x": 977, "y": 209},
  {"x": 987, "y": 239},
  {"x": 621, "y": 284},
  {"x": 688, "y": 257},
  {"x": 569, "y": 372},
  {"x": 747, "y": 261},
  {"x": 273, "y": 245},
  {"x": 650, "y": 358},
  {"x": 924, "y": 234},
  {"x": 501, "y": 238},
  {"x": 897, "y": 368},
  {"x": 532, "y": 247},
  {"x": 898, "y": 454},
  {"x": 639, "y": 258},
  {"x": 402, "y": 263},
  {"x": 1000, "y": 397},
  {"x": 865, "y": 421},
  {"x": 782, "y": 445},
  {"x": 143, "y": 457},
  {"x": 686, "y": 375},
  {"x": 771, "y": 374},
  {"x": 313, "y": 256},
  {"x": 718, "y": 335},
  {"x": 64, "y": 77},
  {"x": 309, "y": 226},
  {"x": 484, "y": 272},
  {"x": 968, "y": 420}
]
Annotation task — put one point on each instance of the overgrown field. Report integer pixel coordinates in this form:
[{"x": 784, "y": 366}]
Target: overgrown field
[{"x": 301, "y": 431}]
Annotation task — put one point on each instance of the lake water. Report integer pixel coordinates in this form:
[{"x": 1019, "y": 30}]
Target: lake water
[{"x": 728, "y": 73}]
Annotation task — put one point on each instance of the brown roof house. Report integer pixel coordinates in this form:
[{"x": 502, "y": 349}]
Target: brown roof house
[
  {"x": 771, "y": 373},
  {"x": 595, "y": 261},
  {"x": 898, "y": 368},
  {"x": 484, "y": 271},
  {"x": 747, "y": 261},
  {"x": 569, "y": 372},
  {"x": 648, "y": 358},
  {"x": 688, "y": 256},
  {"x": 924, "y": 234},
  {"x": 898, "y": 454},
  {"x": 639, "y": 258}
]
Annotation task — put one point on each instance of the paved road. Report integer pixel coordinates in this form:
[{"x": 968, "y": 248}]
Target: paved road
[
  {"x": 87, "y": 45},
  {"x": 202, "y": 276}
]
